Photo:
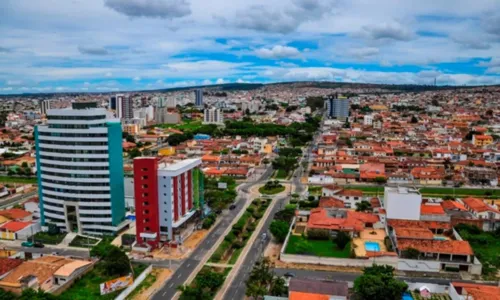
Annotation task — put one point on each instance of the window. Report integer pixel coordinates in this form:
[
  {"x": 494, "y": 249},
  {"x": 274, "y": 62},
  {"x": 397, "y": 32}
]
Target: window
[
  {"x": 146, "y": 228},
  {"x": 144, "y": 177},
  {"x": 145, "y": 203},
  {"x": 144, "y": 194},
  {"x": 144, "y": 186},
  {"x": 164, "y": 194},
  {"x": 144, "y": 169},
  {"x": 164, "y": 202},
  {"x": 165, "y": 211}
]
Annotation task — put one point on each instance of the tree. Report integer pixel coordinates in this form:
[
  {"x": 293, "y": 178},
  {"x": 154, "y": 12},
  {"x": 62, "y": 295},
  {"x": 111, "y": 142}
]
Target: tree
[
  {"x": 31, "y": 294},
  {"x": 279, "y": 230},
  {"x": 262, "y": 281},
  {"x": 411, "y": 253},
  {"x": 363, "y": 206},
  {"x": 53, "y": 229},
  {"x": 342, "y": 240},
  {"x": 134, "y": 153},
  {"x": 378, "y": 283},
  {"x": 24, "y": 165},
  {"x": 129, "y": 138},
  {"x": 380, "y": 180},
  {"x": 414, "y": 119},
  {"x": 116, "y": 262},
  {"x": 278, "y": 287},
  {"x": 285, "y": 215}
]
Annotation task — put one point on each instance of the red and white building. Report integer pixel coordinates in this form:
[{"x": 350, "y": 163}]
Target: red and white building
[{"x": 163, "y": 199}]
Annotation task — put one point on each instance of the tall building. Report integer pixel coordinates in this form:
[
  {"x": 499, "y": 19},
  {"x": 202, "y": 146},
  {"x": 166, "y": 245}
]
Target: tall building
[
  {"x": 124, "y": 107},
  {"x": 402, "y": 203},
  {"x": 198, "y": 97},
  {"x": 213, "y": 116},
  {"x": 44, "y": 106},
  {"x": 112, "y": 102},
  {"x": 80, "y": 170},
  {"x": 337, "y": 107},
  {"x": 167, "y": 196}
]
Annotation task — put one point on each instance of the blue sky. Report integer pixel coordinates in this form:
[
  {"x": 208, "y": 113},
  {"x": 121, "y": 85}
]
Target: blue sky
[{"x": 111, "y": 45}]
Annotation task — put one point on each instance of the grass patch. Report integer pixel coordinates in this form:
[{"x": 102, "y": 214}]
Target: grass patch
[
  {"x": 234, "y": 257},
  {"x": 271, "y": 191},
  {"x": 49, "y": 239},
  {"x": 185, "y": 126},
  {"x": 314, "y": 190},
  {"x": 281, "y": 174},
  {"x": 486, "y": 246},
  {"x": 318, "y": 248},
  {"x": 12, "y": 179},
  {"x": 83, "y": 242},
  {"x": 434, "y": 191}
]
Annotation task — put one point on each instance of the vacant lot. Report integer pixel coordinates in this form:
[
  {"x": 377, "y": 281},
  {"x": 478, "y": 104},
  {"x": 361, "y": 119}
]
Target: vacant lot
[{"x": 316, "y": 247}]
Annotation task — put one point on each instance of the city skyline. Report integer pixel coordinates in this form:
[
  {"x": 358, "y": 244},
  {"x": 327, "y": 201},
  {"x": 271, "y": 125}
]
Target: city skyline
[{"x": 126, "y": 45}]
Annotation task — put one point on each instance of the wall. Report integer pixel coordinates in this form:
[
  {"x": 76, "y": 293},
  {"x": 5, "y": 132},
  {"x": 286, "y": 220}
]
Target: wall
[
  {"x": 28, "y": 231},
  {"x": 345, "y": 262},
  {"x": 137, "y": 281},
  {"x": 418, "y": 265},
  {"x": 58, "y": 290},
  {"x": 128, "y": 183},
  {"x": 402, "y": 206},
  {"x": 116, "y": 172}
]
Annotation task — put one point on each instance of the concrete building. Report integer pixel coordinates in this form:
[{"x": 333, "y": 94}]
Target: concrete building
[
  {"x": 166, "y": 197},
  {"x": 213, "y": 116},
  {"x": 198, "y": 97},
  {"x": 252, "y": 106},
  {"x": 80, "y": 170},
  {"x": 44, "y": 106},
  {"x": 112, "y": 102},
  {"x": 402, "y": 203},
  {"x": 124, "y": 107},
  {"x": 337, "y": 107},
  {"x": 162, "y": 116},
  {"x": 368, "y": 120}
]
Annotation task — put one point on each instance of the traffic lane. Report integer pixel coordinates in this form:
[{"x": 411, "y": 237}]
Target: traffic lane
[
  {"x": 238, "y": 286},
  {"x": 189, "y": 265}
]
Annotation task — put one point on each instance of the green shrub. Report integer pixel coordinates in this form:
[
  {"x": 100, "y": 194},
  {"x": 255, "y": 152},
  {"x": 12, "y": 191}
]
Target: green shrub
[
  {"x": 257, "y": 215},
  {"x": 251, "y": 209},
  {"x": 237, "y": 245},
  {"x": 318, "y": 234},
  {"x": 251, "y": 227},
  {"x": 230, "y": 237}
]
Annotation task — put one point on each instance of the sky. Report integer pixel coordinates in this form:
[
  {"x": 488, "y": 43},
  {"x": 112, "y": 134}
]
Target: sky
[{"x": 126, "y": 45}]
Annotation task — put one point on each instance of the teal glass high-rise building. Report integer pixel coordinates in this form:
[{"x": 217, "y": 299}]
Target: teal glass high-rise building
[{"x": 80, "y": 170}]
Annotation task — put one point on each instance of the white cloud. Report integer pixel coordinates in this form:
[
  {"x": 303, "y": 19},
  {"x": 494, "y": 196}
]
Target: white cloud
[
  {"x": 108, "y": 74},
  {"x": 220, "y": 81},
  {"x": 206, "y": 82},
  {"x": 61, "y": 88},
  {"x": 137, "y": 78},
  {"x": 387, "y": 31},
  {"x": 14, "y": 82},
  {"x": 364, "y": 52},
  {"x": 278, "y": 52}
]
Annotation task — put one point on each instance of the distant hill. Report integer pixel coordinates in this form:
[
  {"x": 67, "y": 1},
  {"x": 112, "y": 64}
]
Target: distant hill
[{"x": 252, "y": 86}]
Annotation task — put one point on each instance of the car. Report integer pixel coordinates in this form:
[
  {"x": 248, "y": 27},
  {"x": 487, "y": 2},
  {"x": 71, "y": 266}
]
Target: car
[
  {"x": 27, "y": 244},
  {"x": 38, "y": 245},
  {"x": 233, "y": 206},
  {"x": 289, "y": 274}
]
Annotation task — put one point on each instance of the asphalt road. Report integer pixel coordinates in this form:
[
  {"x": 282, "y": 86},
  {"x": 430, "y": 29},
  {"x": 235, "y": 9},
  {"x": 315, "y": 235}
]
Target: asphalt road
[
  {"x": 83, "y": 253},
  {"x": 182, "y": 273},
  {"x": 350, "y": 277},
  {"x": 238, "y": 286},
  {"x": 14, "y": 200}
]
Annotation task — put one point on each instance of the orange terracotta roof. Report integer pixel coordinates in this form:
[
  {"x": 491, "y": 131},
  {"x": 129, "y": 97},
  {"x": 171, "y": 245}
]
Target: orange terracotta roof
[
  {"x": 210, "y": 158},
  {"x": 395, "y": 223},
  {"x": 478, "y": 205},
  {"x": 331, "y": 202},
  {"x": 8, "y": 264},
  {"x": 428, "y": 209},
  {"x": 307, "y": 296},
  {"x": 14, "y": 226},
  {"x": 413, "y": 233},
  {"x": 214, "y": 171},
  {"x": 477, "y": 291},
  {"x": 15, "y": 213},
  {"x": 355, "y": 193},
  {"x": 437, "y": 246},
  {"x": 453, "y": 205},
  {"x": 352, "y": 221},
  {"x": 483, "y": 137}
]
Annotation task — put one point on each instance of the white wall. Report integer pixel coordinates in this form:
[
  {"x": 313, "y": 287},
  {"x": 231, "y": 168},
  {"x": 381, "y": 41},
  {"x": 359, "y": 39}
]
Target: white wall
[
  {"x": 402, "y": 206},
  {"x": 418, "y": 265}
]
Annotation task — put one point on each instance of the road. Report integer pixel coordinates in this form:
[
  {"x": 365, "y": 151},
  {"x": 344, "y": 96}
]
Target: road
[
  {"x": 350, "y": 277},
  {"x": 83, "y": 253},
  {"x": 14, "y": 200},
  {"x": 238, "y": 287},
  {"x": 185, "y": 269}
]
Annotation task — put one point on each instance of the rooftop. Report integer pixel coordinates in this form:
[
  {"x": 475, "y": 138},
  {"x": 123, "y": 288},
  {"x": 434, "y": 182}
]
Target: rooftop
[{"x": 402, "y": 190}]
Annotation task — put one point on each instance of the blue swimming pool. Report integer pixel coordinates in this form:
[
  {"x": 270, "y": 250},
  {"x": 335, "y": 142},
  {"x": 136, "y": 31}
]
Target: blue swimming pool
[
  {"x": 371, "y": 246},
  {"x": 407, "y": 296},
  {"x": 440, "y": 238}
]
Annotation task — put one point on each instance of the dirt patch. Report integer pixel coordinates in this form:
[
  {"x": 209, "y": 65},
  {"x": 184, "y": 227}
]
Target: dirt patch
[
  {"x": 194, "y": 239},
  {"x": 162, "y": 275},
  {"x": 273, "y": 251},
  {"x": 283, "y": 265}
]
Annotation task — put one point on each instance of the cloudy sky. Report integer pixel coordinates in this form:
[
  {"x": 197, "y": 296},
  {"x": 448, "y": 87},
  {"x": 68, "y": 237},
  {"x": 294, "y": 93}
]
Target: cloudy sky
[{"x": 108, "y": 45}]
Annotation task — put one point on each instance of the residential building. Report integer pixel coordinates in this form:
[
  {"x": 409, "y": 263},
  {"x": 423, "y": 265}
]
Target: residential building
[
  {"x": 490, "y": 215},
  {"x": 44, "y": 106},
  {"x": 213, "y": 116},
  {"x": 481, "y": 140},
  {"x": 337, "y": 107},
  {"x": 124, "y": 107},
  {"x": 300, "y": 289},
  {"x": 131, "y": 129},
  {"x": 334, "y": 220},
  {"x": 198, "y": 102},
  {"x": 473, "y": 291},
  {"x": 402, "y": 203},
  {"x": 167, "y": 196},
  {"x": 368, "y": 120},
  {"x": 80, "y": 170}
]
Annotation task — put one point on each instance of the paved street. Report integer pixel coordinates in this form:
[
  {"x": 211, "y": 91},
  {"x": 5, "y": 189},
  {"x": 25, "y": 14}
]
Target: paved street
[
  {"x": 238, "y": 287},
  {"x": 14, "y": 200},
  {"x": 189, "y": 265},
  {"x": 84, "y": 253}
]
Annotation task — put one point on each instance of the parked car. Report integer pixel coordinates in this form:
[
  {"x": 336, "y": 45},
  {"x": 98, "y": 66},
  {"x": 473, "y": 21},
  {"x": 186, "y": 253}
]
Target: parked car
[
  {"x": 27, "y": 244},
  {"x": 233, "y": 206},
  {"x": 38, "y": 245}
]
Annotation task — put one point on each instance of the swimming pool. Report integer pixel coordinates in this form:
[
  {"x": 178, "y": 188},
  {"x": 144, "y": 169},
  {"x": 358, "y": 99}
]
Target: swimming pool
[
  {"x": 371, "y": 246},
  {"x": 407, "y": 296},
  {"x": 440, "y": 238}
]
